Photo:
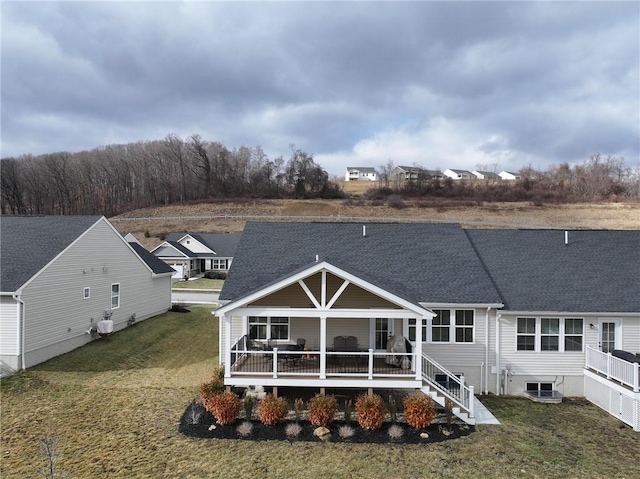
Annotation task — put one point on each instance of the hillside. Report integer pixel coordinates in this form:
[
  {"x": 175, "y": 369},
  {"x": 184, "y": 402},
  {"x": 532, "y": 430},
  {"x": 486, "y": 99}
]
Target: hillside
[{"x": 231, "y": 216}]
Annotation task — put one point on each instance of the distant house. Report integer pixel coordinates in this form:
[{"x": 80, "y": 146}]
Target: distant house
[
  {"x": 408, "y": 173},
  {"x": 486, "y": 175},
  {"x": 129, "y": 238},
  {"x": 459, "y": 174},
  {"x": 190, "y": 254},
  {"x": 62, "y": 275},
  {"x": 507, "y": 175},
  {"x": 360, "y": 173}
]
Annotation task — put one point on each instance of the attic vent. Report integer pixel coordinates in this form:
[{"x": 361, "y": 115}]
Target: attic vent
[
  {"x": 317, "y": 258},
  {"x": 364, "y": 230},
  {"x": 566, "y": 237}
]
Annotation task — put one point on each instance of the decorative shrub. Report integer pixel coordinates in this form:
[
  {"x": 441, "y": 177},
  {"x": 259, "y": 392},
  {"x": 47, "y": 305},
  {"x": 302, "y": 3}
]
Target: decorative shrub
[
  {"x": 348, "y": 411},
  {"x": 298, "y": 407},
  {"x": 272, "y": 410},
  {"x": 419, "y": 410},
  {"x": 322, "y": 410},
  {"x": 393, "y": 408},
  {"x": 212, "y": 388},
  {"x": 370, "y": 411},
  {"x": 293, "y": 430},
  {"x": 345, "y": 432},
  {"x": 245, "y": 428},
  {"x": 215, "y": 275},
  {"x": 225, "y": 407},
  {"x": 247, "y": 403},
  {"x": 395, "y": 432}
]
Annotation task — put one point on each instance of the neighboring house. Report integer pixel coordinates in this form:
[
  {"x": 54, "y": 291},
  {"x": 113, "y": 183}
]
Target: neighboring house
[
  {"x": 486, "y": 175},
  {"x": 407, "y": 173},
  {"x": 190, "y": 254},
  {"x": 507, "y": 175},
  {"x": 500, "y": 311},
  {"x": 459, "y": 174},
  {"x": 360, "y": 173},
  {"x": 61, "y": 275},
  {"x": 129, "y": 238}
]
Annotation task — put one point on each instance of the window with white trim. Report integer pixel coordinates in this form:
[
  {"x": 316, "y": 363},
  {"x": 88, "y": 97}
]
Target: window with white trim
[
  {"x": 539, "y": 389},
  {"x": 440, "y": 326},
  {"x": 265, "y": 328},
  {"x": 549, "y": 334},
  {"x": 411, "y": 332},
  {"x": 458, "y": 330},
  {"x": 219, "y": 264},
  {"x": 115, "y": 295},
  {"x": 86, "y": 292}
]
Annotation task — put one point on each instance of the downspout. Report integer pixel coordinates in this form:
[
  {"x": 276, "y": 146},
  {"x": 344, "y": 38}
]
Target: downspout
[
  {"x": 498, "y": 353},
  {"x": 21, "y": 329},
  {"x": 486, "y": 353}
]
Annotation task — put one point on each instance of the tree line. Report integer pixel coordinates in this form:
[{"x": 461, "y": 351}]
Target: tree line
[
  {"x": 117, "y": 178},
  {"x": 598, "y": 178}
]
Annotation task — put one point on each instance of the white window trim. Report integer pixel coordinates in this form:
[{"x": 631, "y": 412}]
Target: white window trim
[
  {"x": 538, "y": 335},
  {"x": 86, "y": 292},
  {"x": 268, "y": 325},
  {"x": 116, "y": 295},
  {"x": 452, "y": 327}
]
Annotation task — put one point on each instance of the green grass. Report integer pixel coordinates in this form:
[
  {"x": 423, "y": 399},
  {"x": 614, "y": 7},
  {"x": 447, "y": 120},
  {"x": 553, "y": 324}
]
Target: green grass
[
  {"x": 116, "y": 404},
  {"x": 200, "y": 283}
]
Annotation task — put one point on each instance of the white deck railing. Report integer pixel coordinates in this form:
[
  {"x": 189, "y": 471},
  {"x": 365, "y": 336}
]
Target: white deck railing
[{"x": 613, "y": 368}]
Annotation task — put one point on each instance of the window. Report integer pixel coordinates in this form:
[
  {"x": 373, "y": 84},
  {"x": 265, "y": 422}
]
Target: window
[
  {"x": 549, "y": 334},
  {"x": 219, "y": 264},
  {"x": 86, "y": 293},
  {"x": 440, "y": 326},
  {"x": 464, "y": 325},
  {"x": 382, "y": 333},
  {"x": 526, "y": 334},
  {"x": 115, "y": 295},
  {"x": 573, "y": 330},
  {"x": 263, "y": 328},
  {"x": 539, "y": 389},
  {"x": 412, "y": 331}
]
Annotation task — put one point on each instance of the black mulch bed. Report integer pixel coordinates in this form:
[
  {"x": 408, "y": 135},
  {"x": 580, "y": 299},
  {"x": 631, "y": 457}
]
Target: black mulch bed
[{"x": 204, "y": 420}]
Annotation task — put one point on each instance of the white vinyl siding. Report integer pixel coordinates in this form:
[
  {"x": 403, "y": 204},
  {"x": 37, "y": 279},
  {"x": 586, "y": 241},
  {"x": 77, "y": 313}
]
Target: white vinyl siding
[
  {"x": 9, "y": 326},
  {"x": 55, "y": 312}
]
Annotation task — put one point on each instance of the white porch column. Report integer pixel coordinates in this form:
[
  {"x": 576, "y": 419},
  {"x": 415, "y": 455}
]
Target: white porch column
[
  {"x": 227, "y": 345},
  {"x": 418, "y": 349},
  {"x": 323, "y": 347}
]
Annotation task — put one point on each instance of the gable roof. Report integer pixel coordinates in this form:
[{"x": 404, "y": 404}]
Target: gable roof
[
  {"x": 157, "y": 265},
  {"x": 432, "y": 263},
  {"x": 534, "y": 270},
  {"x": 29, "y": 243},
  {"x": 224, "y": 244},
  {"x": 184, "y": 252},
  {"x": 363, "y": 169}
]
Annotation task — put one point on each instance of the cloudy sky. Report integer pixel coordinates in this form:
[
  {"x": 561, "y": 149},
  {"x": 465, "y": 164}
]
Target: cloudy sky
[{"x": 440, "y": 84}]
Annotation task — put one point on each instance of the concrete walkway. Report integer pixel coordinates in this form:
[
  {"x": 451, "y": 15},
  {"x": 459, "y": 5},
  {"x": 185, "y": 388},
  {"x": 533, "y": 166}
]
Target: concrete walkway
[{"x": 483, "y": 415}]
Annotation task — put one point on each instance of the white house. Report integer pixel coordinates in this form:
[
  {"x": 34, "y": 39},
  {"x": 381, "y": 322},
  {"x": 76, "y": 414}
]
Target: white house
[
  {"x": 486, "y": 175},
  {"x": 61, "y": 275},
  {"x": 191, "y": 254},
  {"x": 459, "y": 174},
  {"x": 533, "y": 312},
  {"x": 507, "y": 175},
  {"x": 360, "y": 173}
]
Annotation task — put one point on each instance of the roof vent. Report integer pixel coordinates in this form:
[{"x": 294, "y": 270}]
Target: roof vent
[
  {"x": 317, "y": 258},
  {"x": 566, "y": 237},
  {"x": 364, "y": 230}
]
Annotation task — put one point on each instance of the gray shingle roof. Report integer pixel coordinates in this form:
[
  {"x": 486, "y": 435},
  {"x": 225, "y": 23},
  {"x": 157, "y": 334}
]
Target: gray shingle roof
[
  {"x": 598, "y": 271},
  {"x": 224, "y": 244},
  {"x": 421, "y": 263},
  {"x": 157, "y": 265},
  {"x": 28, "y": 243}
]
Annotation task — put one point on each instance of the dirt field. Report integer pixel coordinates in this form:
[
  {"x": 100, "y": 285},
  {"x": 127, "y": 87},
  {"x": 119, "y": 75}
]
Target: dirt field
[{"x": 149, "y": 225}]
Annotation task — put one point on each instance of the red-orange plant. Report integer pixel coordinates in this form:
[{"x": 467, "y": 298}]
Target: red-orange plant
[
  {"x": 322, "y": 409},
  {"x": 370, "y": 411},
  {"x": 419, "y": 410},
  {"x": 225, "y": 407},
  {"x": 272, "y": 410}
]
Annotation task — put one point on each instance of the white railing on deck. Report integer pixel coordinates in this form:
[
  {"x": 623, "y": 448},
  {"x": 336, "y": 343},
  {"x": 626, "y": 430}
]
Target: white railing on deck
[
  {"x": 453, "y": 388},
  {"x": 614, "y": 368}
]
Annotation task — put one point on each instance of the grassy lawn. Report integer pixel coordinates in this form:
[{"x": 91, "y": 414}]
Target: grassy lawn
[
  {"x": 116, "y": 404},
  {"x": 200, "y": 283}
]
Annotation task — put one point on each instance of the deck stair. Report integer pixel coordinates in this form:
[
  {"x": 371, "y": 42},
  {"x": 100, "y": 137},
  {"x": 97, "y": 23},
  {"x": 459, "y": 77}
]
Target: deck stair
[{"x": 441, "y": 384}]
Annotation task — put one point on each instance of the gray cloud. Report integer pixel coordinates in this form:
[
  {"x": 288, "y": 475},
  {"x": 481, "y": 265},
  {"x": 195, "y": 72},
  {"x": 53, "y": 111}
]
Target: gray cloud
[{"x": 446, "y": 84}]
